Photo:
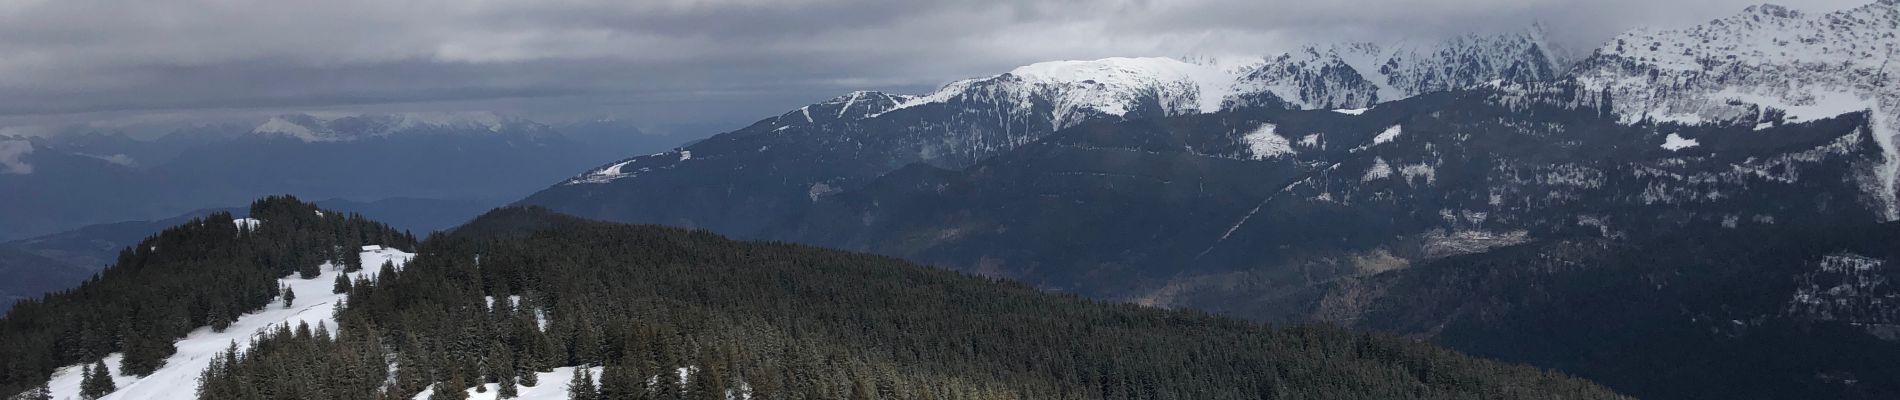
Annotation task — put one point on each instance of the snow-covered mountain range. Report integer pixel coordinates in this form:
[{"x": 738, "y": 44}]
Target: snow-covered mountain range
[
  {"x": 1765, "y": 66},
  {"x": 802, "y": 155}
]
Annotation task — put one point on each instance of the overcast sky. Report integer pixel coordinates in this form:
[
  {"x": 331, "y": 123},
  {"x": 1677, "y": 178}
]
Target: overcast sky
[{"x": 699, "y": 64}]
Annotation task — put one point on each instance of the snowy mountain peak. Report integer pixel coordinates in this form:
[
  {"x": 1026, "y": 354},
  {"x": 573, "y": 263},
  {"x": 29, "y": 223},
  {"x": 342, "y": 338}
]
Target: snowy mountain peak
[
  {"x": 1359, "y": 74},
  {"x": 1208, "y": 81},
  {"x": 1340, "y": 75}
]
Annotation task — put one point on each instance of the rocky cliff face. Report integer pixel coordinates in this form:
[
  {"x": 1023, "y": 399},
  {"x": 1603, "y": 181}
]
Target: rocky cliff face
[{"x": 1767, "y": 66}]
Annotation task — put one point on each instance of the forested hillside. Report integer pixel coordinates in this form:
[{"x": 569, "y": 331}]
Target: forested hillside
[
  {"x": 1757, "y": 312},
  {"x": 665, "y": 313},
  {"x": 206, "y": 272}
]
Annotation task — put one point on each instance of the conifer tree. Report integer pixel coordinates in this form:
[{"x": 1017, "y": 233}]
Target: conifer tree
[
  {"x": 352, "y": 258},
  {"x": 309, "y": 270},
  {"x": 582, "y": 386},
  {"x": 97, "y": 381},
  {"x": 289, "y": 296},
  {"x": 387, "y": 272},
  {"x": 530, "y": 378},
  {"x": 342, "y": 284},
  {"x": 706, "y": 384},
  {"x": 507, "y": 388},
  {"x": 450, "y": 390},
  {"x": 38, "y": 393},
  {"x": 666, "y": 385}
]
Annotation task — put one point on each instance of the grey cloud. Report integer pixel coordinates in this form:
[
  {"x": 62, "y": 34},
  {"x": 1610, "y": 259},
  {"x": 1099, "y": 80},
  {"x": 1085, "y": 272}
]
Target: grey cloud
[{"x": 667, "y": 61}]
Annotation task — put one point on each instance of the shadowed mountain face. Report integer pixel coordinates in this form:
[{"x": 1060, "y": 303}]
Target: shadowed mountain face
[
  {"x": 1206, "y": 211},
  {"x": 1273, "y": 215},
  {"x": 740, "y": 181},
  {"x": 1754, "y": 312}
]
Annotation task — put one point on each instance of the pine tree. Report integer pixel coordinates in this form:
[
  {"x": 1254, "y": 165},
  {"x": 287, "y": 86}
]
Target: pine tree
[
  {"x": 289, "y": 296},
  {"x": 507, "y": 390},
  {"x": 666, "y": 385},
  {"x": 707, "y": 384},
  {"x": 97, "y": 381},
  {"x": 450, "y": 390},
  {"x": 352, "y": 259},
  {"x": 582, "y": 386},
  {"x": 387, "y": 272},
  {"x": 38, "y": 393},
  {"x": 530, "y": 378},
  {"x": 342, "y": 284}
]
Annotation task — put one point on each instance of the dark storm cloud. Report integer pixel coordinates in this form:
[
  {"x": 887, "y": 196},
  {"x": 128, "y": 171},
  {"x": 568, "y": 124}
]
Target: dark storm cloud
[{"x": 666, "y": 61}]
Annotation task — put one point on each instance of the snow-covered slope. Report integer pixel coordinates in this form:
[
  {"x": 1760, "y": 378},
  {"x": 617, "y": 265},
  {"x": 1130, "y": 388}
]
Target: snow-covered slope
[
  {"x": 324, "y": 127},
  {"x": 314, "y": 305},
  {"x": 552, "y": 386},
  {"x": 1766, "y": 66}
]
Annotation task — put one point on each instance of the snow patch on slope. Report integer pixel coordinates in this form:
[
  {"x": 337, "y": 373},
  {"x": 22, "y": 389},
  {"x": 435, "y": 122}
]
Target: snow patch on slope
[
  {"x": 1676, "y": 142},
  {"x": 1387, "y": 136},
  {"x": 177, "y": 379},
  {"x": 1263, "y": 143},
  {"x": 552, "y": 386}
]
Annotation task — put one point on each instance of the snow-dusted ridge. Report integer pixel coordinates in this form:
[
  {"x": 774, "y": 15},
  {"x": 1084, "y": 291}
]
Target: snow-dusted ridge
[
  {"x": 969, "y": 119},
  {"x": 1109, "y": 86},
  {"x": 1343, "y": 76},
  {"x": 177, "y": 379}
]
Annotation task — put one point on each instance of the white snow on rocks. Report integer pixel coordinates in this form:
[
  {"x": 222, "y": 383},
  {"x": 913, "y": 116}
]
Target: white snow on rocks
[
  {"x": 177, "y": 379},
  {"x": 1312, "y": 140},
  {"x": 1676, "y": 142},
  {"x": 1264, "y": 143},
  {"x": 1767, "y": 60},
  {"x": 605, "y": 174},
  {"x": 1353, "y": 111},
  {"x": 1387, "y": 136},
  {"x": 246, "y": 223},
  {"x": 1379, "y": 170}
]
